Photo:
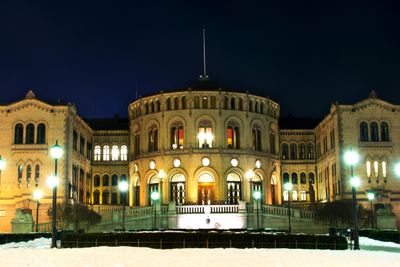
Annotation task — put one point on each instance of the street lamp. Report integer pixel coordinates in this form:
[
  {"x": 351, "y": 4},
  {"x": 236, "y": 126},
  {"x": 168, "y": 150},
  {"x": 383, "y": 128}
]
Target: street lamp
[
  {"x": 56, "y": 152},
  {"x": 37, "y": 195},
  {"x": 154, "y": 196},
  {"x": 396, "y": 169},
  {"x": 288, "y": 188},
  {"x": 161, "y": 176},
  {"x": 123, "y": 187},
  {"x": 371, "y": 197},
  {"x": 351, "y": 158},
  {"x": 257, "y": 197},
  {"x": 2, "y": 167},
  {"x": 249, "y": 175}
]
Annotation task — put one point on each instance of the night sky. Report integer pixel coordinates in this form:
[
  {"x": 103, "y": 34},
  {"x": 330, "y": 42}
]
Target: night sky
[{"x": 101, "y": 54}]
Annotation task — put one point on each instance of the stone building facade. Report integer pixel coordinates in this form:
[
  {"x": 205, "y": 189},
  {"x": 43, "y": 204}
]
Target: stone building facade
[{"x": 196, "y": 147}]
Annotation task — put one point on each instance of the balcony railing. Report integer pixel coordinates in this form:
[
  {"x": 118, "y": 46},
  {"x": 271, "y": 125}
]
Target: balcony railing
[{"x": 193, "y": 209}]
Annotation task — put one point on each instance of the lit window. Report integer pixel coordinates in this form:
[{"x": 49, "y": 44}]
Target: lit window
[
  {"x": 205, "y": 135},
  {"x": 28, "y": 175},
  {"x": 232, "y": 135},
  {"x": 376, "y": 168},
  {"x": 177, "y": 135},
  {"x": 294, "y": 195},
  {"x": 106, "y": 153},
  {"x": 384, "y": 169},
  {"x": 368, "y": 169},
  {"x": 124, "y": 152},
  {"x": 114, "y": 153},
  {"x": 97, "y": 153},
  {"x": 303, "y": 195},
  {"x": 20, "y": 175},
  {"x": 285, "y": 196}
]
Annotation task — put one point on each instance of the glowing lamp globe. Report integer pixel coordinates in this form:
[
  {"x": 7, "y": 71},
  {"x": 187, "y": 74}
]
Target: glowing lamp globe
[
  {"x": 397, "y": 169},
  {"x": 370, "y": 196},
  {"x": 2, "y": 164},
  {"x": 52, "y": 181},
  {"x": 155, "y": 196},
  {"x": 287, "y": 186},
  {"x": 351, "y": 157},
  {"x": 56, "y": 151},
  {"x": 355, "y": 182},
  {"x": 37, "y": 194},
  {"x": 249, "y": 174},
  {"x": 257, "y": 195},
  {"x": 123, "y": 186}
]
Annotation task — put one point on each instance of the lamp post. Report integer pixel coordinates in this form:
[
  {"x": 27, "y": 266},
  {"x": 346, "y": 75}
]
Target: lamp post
[
  {"x": 371, "y": 197},
  {"x": 123, "y": 187},
  {"x": 288, "y": 188},
  {"x": 2, "y": 167},
  {"x": 249, "y": 176},
  {"x": 396, "y": 169},
  {"x": 37, "y": 195},
  {"x": 257, "y": 197},
  {"x": 161, "y": 176},
  {"x": 56, "y": 152},
  {"x": 351, "y": 158},
  {"x": 155, "y": 196}
]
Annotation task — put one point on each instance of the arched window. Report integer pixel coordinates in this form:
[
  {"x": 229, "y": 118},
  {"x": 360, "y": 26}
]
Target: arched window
[
  {"x": 272, "y": 141},
  {"x": 256, "y": 137},
  {"x": 368, "y": 166},
  {"x": 41, "y": 134},
  {"x": 303, "y": 178},
  {"x": 176, "y": 103},
  {"x": 96, "y": 180},
  {"x": 183, "y": 102},
  {"x": 384, "y": 169},
  {"x": 96, "y": 197},
  {"x": 234, "y": 188},
  {"x": 213, "y": 102},
  {"x": 384, "y": 131},
  {"x": 123, "y": 177},
  {"x": 153, "y": 186},
  {"x": 311, "y": 178},
  {"x": 376, "y": 169},
  {"x": 153, "y": 139},
  {"x": 106, "y": 196},
  {"x": 205, "y": 134},
  {"x": 262, "y": 108},
  {"x": 256, "y": 109},
  {"x": 294, "y": 178},
  {"x": 233, "y": 136},
  {"x": 114, "y": 180},
  {"x": 196, "y": 101},
  {"x": 114, "y": 153},
  {"x": 124, "y": 152},
  {"x": 106, "y": 180},
  {"x": 106, "y": 153},
  {"x": 285, "y": 151},
  {"x": 204, "y": 101},
  {"x": 30, "y": 134},
  {"x": 146, "y": 108},
  {"x": 251, "y": 105},
  {"x": 293, "y": 151},
  {"x": 97, "y": 153},
  {"x": 151, "y": 107},
  {"x": 18, "y": 134},
  {"x": 28, "y": 175},
  {"x": 233, "y": 103},
  {"x": 363, "y": 131},
  {"x": 136, "y": 145},
  {"x": 225, "y": 103},
  {"x": 157, "y": 106},
  {"x": 374, "y": 131},
  {"x": 285, "y": 178},
  {"x": 168, "y": 104},
  {"x": 178, "y": 189},
  {"x": 20, "y": 168},
  {"x": 37, "y": 174},
  {"x": 240, "y": 104},
  {"x": 302, "y": 151},
  {"x": 310, "y": 151},
  {"x": 177, "y": 135}
]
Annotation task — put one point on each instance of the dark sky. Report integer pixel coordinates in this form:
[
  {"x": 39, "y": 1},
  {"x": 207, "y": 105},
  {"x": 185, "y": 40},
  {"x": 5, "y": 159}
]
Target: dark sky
[{"x": 98, "y": 54}]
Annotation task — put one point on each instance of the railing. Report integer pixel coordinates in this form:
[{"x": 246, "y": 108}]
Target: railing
[
  {"x": 277, "y": 210},
  {"x": 139, "y": 211},
  {"x": 44, "y": 227},
  {"x": 195, "y": 209}
]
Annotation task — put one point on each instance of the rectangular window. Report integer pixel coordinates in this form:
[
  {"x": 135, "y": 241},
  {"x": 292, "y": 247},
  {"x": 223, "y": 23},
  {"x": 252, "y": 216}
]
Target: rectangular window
[
  {"x": 205, "y": 137},
  {"x": 294, "y": 195},
  {"x": 82, "y": 145},
  {"x": 285, "y": 196},
  {"x": 303, "y": 195},
  {"x": 75, "y": 140}
]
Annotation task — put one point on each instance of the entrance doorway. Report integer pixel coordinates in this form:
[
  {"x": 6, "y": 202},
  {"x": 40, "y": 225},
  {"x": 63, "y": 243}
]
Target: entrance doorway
[{"x": 205, "y": 194}]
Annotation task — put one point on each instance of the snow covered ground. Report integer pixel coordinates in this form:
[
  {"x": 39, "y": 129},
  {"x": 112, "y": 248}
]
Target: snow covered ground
[{"x": 38, "y": 253}]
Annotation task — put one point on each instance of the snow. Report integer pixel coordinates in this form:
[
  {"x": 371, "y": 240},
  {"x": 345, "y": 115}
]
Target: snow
[{"x": 38, "y": 253}]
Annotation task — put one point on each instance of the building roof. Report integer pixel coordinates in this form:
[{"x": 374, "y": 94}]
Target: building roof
[
  {"x": 109, "y": 124},
  {"x": 296, "y": 123}
]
